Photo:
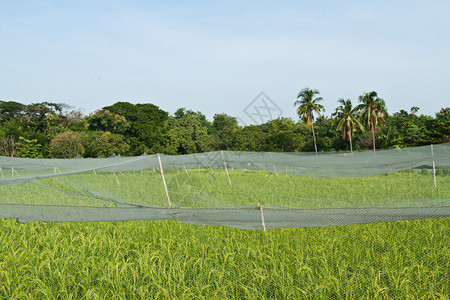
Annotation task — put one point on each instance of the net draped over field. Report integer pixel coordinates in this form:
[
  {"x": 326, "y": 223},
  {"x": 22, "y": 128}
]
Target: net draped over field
[{"x": 241, "y": 189}]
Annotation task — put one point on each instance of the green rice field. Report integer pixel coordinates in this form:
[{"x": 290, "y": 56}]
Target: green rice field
[{"x": 171, "y": 260}]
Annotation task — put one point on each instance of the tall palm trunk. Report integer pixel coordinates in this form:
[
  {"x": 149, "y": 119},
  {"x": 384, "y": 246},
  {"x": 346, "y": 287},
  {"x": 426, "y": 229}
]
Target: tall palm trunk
[
  {"x": 373, "y": 136},
  {"x": 349, "y": 133},
  {"x": 314, "y": 136}
]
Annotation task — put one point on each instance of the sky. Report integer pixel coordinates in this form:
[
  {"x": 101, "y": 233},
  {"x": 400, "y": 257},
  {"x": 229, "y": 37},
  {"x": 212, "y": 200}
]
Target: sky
[{"x": 248, "y": 59}]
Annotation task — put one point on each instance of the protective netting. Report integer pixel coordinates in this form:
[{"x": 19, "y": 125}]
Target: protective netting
[{"x": 239, "y": 189}]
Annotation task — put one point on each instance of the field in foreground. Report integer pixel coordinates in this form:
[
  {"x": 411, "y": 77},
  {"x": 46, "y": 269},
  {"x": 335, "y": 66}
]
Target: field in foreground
[{"x": 170, "y": 260}]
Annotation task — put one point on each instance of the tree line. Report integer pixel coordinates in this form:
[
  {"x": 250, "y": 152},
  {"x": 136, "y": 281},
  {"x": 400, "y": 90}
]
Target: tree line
[{"x": 53, "y": 130}]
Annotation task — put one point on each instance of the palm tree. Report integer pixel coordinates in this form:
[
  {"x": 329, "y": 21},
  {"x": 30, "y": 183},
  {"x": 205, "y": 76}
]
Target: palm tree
[
  {"x": 373, "y": 110},
  {"x": 307, "y": 105},
  {"x": 348, "y": 120}
]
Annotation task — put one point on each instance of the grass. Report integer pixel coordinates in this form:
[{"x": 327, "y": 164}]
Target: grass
[
  {"x": 171, "y": 260},
  {"x": 206, "y": 188}
]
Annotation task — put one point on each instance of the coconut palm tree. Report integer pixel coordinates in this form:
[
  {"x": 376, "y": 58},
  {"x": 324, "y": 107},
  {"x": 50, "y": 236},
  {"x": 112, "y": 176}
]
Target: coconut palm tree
[
  {"x": 373, "y": 111},
  {"x": 307, "y": 105},
  {"x": 348, "y": 119}
]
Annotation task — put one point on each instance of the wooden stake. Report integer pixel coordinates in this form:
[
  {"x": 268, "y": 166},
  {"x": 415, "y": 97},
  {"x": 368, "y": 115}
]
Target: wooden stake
[
  {"x": 116, "y": 178},
  {"x": 198, "y": 169},
  {"x": 95, "y": 173},
  {"x": 434, "y": 173},
  {"x": 275, "y": 170},
  {"x": 187, "y": 173},
  {"x": 410, "y": 170},
  {"x": 262, "y": 216},
  {"x": 228, "y": 175},
  {"x": 3, "y": 176},
  {"x": 164, "y": 180},
  {"x": 434, "y": 166},
  {"x": 226, "y": 170}
]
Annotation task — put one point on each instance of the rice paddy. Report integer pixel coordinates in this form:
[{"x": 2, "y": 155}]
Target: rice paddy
[{"x": 171, "y": 260}]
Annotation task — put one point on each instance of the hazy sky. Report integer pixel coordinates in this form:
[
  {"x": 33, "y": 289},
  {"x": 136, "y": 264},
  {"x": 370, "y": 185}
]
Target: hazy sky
[{"x": 217, "y": 56}]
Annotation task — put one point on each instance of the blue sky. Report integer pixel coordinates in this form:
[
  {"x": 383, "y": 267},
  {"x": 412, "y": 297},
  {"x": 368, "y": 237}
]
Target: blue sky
[{"x": 217, "y": 56}]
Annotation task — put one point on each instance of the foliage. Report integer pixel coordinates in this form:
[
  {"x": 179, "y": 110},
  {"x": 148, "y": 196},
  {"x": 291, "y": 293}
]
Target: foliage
[
  {"x": 144, "y": 128},
  {"x": 147, "y": 121},
  {"x": 373, "y": 112},
  {"x": 68, "y": 144},
  {"x": 104, "y": 120},
  {"x": 30, "y": 148},
  {"x": 104, "y": 144},
  {"x": 8, "y": 146},
  {"x": 347, "y": 120},
  {"x": 187, "y": 134},
  {"x": 307, "y": 106},
  {"x": 223, "y": 130}
]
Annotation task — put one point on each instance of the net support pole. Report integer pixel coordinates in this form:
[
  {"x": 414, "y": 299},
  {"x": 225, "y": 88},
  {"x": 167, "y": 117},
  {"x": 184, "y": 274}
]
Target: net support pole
[
  {"x": 275, "y": 168},
  {"x": 226, "y": 169},
  {"x": 187, "y": 173},
  {"x": 434, "y": 173},
  {"x": 14, "y": 171},
  {"x": 3, "y": 176},
  {"x": 228, "y": 175},
  {"x": 117, "y": 179},
  {"x": 262, "y": 216},
  {"x": 95, "y": 173},
  {"x": 409, "y": 170},
  {"x": 434, "y": 166},
  {"x": 164, "y": 180}
]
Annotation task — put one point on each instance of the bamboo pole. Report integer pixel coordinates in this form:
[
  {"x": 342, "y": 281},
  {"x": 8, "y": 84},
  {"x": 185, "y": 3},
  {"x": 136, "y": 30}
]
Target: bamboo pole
[
  {"x": 226, "y": 170},
  {"x": 434, "y": 166},
  {"x": 434, "y": 173},
  {"x": 228, "y": 175},
  {"x": 117, "y": 179},
  {"x": 164, "y": 180},
  {"x": 262, "y": 216},
  {"x": 95, "y": 173},
  {"x": 3, "y": 176},
  {"x": 14, "y": 171},
  {"x": 275, "y": 170},
  {"x": 187, "y": 173}
]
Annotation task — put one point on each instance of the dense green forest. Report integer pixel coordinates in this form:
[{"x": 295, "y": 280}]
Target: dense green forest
[{"x": 55, "y": 130}]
